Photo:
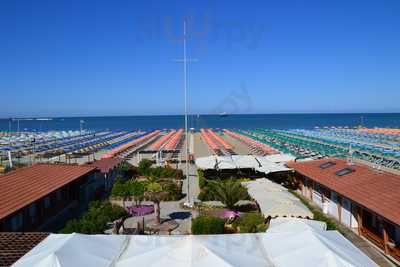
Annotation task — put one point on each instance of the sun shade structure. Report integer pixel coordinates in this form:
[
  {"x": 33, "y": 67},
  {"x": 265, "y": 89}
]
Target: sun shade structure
[
  {"x": 220, "y": 140},
  {"x": 135, "y": 142},
  {"x": 251, "y": 142},
  {"x": 294, "y": 225},
  {"x": 174, "y": 141},
  {"x": 162, "y": 141},
  {"x": 207, "y": 139},
  {"x": 279, "y": 249},
  {"x": 261, "y": 164},
  {"x": 274, "y": 200}
]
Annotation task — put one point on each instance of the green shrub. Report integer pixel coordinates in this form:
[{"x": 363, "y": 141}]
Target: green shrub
[
  {"x": 229, "y": 192},
  {"x": 174, "y": 192},
  {"x": 120, "y": 189},
  {"x": 250, "y": 223},
  {"x": 202, "y": 179},
  {"x": 207, "y": 194},
  {"x": 144, "y": 167},
  {"x": 137, "y": 189},
  {"x": 207, "y": 225},
  {"x": 95, "y": 219}
]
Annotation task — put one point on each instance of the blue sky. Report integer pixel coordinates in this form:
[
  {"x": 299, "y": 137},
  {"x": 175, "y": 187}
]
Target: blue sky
[{"x": 81, "y": 57}]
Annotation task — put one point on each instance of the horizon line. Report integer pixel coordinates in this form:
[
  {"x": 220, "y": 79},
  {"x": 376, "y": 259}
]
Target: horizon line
[{"x": 196, "y": 114}]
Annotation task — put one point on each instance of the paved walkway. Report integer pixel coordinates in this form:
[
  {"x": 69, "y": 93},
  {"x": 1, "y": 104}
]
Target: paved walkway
[
  {"x": 194, "y": 188},
  {"x": 168, "y": 209}
]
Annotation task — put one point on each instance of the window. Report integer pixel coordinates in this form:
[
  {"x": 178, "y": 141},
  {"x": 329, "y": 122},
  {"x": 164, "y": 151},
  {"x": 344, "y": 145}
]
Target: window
[
  {"x": 32, "y": 210},
  {"x": 16, "y": 222},
  {"x": 59, "y": 195},
  {"x": 344, "y": 171},
  {"x": 327, "y": 165},
  {"x": 47, "y": 202}
]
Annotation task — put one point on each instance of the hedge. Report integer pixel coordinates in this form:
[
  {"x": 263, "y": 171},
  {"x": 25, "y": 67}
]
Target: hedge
[
  {"x": 250, "y": 223},
  {"x": 208, "y": 225},
  {"x": 94, "y": 221}
]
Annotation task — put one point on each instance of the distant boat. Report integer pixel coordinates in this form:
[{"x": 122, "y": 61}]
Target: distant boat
[
  {"x": 44, "y": 119},
  {"x": 223, "y": 114}
]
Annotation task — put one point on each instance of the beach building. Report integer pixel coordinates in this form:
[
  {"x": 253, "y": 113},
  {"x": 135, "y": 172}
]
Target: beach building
[
  {"x": 363, "y": 198},
  {"x": 44, "y": 196},
  {"x": 107, "y": 172}
]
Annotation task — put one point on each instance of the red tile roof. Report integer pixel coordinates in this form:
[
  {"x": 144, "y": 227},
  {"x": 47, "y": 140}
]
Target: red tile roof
[
  {"x": 21, "y": 187},
  {"x": 15, "y": 245},
  {"x": 376, "y": 190},
  {"x": 106, "y": 164}
]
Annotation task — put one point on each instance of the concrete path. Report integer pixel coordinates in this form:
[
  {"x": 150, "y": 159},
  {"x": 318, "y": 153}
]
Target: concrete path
[
  {"x": 194, "y": 188},
  {"x": 168, "y": 209}
]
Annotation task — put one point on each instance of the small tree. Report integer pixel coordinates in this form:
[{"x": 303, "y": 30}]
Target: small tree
[
  {"x": 144, "y": 167},
  {"x": 137, "y": 190},
  {"x": 121, "y": 190},
  {"x": 155, "y": 193},
  {"x": 229, "y": 192}
]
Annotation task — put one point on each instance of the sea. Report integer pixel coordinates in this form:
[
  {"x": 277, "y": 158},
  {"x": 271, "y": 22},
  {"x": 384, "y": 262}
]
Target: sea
[{"x": 233, "y": 121}]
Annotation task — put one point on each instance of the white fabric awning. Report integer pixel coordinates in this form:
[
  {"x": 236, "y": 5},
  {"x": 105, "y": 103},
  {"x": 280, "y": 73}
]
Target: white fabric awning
[
  {"x": 284, "y": 225},
  {"x": 304, "y": 248},
  {"x": 275, "y": 200},
  {"x": 59, "y": 250},
  {"x": 280, "y": 158},
  {"x": 261, "y": 164}
]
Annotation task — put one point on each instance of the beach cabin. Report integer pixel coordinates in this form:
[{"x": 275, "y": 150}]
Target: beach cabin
[
  {"x": 43, "y": 196},
  {"x": 363, "y": 198}
]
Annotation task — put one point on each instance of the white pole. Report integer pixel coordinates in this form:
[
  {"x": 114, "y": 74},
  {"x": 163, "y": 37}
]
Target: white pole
[{"x": 186, "y": 115}]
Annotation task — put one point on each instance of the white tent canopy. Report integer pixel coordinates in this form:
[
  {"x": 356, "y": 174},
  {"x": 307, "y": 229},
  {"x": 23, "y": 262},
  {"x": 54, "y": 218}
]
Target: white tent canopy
[
  {"x": 303, "y": 248},
  {"x": 284, "y": 225},
  {"x": 261, "y": 164},
  {"x": 59, "y": 250},
  {"x": 280, "y": 158},
  {"x": 275, "y": 200}
]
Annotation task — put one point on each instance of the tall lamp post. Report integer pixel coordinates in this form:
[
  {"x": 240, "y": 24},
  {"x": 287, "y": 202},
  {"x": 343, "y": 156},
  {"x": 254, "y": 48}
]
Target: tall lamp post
[
  {"x": 185, "y": 60},
  {"x": 186, "y": 115}
]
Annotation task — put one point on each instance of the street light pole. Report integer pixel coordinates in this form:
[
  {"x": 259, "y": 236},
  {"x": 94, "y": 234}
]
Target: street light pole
[
  {"x": 186, "y": 115},
  {"x": 185, "y": 60}
]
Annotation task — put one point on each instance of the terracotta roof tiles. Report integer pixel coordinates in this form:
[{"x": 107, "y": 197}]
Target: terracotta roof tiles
[{"x": 21, "y": 187}]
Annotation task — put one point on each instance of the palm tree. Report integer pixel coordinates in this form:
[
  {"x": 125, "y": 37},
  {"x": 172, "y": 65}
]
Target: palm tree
[
  {"x": 229, "y": 192},
  {"x": 156, "y": 194}
]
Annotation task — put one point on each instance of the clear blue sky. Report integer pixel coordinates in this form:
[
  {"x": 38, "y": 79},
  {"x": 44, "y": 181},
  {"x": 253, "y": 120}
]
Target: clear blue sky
[{"x": 81, "y": 57}]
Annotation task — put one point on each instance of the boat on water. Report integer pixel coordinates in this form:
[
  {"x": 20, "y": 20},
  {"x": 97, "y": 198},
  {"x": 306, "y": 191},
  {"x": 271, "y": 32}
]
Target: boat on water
[
  {"x": 44, "y": 119},
  {"x": 223, "y": 114}
]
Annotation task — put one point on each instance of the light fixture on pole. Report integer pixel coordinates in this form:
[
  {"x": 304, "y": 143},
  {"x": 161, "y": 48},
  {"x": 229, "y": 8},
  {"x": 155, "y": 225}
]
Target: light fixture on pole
[{"x": 185, "y": 60}]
